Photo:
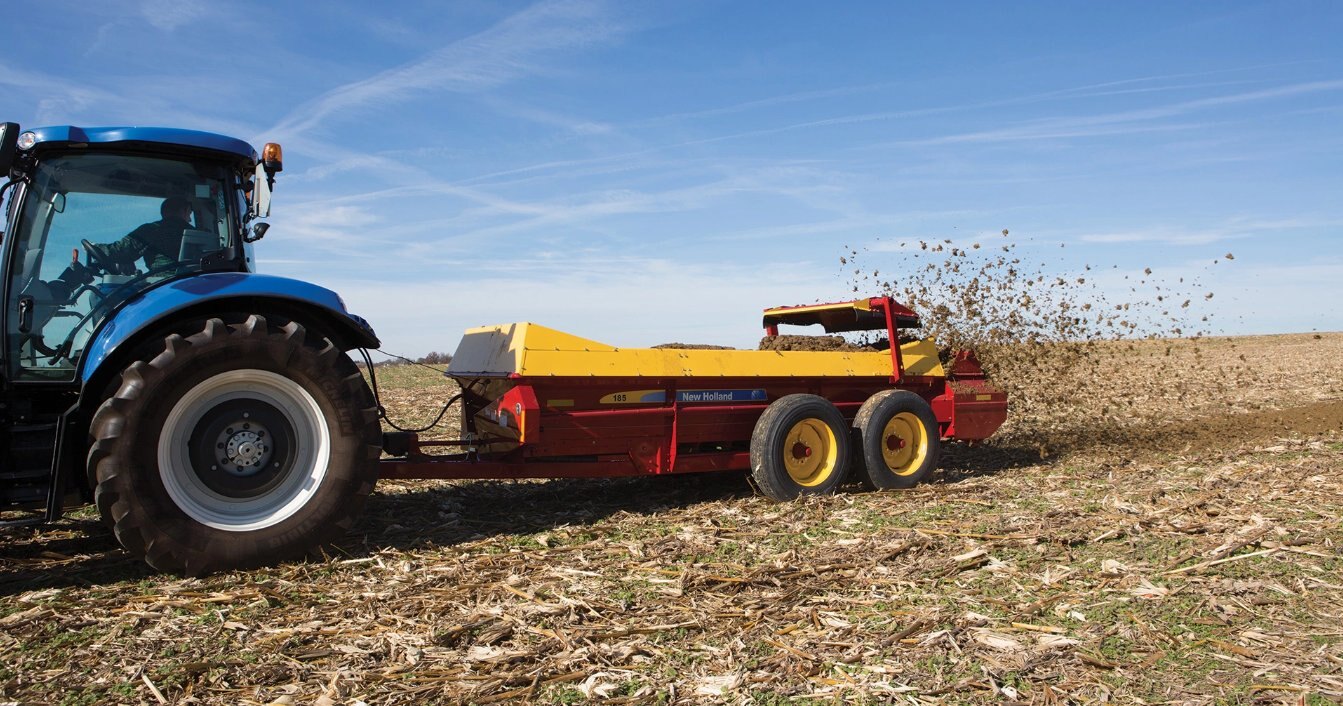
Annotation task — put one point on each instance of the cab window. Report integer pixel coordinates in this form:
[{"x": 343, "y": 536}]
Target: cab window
[{"x": 95, "y": 230}]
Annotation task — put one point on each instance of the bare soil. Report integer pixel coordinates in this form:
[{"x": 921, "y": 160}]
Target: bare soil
[{"x": 1162, "y": 528}]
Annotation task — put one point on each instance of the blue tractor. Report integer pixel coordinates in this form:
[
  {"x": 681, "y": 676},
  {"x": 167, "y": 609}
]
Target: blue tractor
[{"x": 211, "y": 413}]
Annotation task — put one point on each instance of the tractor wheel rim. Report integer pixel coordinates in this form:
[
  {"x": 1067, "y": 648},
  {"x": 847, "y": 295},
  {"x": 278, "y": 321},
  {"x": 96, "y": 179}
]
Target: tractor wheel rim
[
  {"x": 244, "y": 450},
  {"x": 810, "y": 452},
  {"x": 904, "y": 444}
]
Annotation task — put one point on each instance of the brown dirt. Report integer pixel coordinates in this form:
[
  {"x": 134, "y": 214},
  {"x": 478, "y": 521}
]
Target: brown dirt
[
  {"x": 1177, "y": 549},
  {"x": 1212, "y": 434},
  {"x": 694, "y": 346},
  {"x": 779, "y": 343},
  {"x": 809, "y": 343}
]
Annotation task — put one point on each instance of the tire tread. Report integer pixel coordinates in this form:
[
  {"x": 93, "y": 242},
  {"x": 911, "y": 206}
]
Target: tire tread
[{"x": 124, "y": 488}]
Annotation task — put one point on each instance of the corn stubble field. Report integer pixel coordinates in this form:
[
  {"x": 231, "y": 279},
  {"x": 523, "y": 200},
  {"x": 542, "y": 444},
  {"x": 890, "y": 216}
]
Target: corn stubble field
[
  {"x": 1190, "y": 555},
  {"x": 1158, "y": 522}
]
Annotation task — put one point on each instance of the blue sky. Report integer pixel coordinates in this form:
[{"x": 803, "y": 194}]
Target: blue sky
[{"x": 647, "y": 172}]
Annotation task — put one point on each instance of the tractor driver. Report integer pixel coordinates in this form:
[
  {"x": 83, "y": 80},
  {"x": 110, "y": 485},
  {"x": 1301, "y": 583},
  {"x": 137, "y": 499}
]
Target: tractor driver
[{"x": 157, "y": 243}]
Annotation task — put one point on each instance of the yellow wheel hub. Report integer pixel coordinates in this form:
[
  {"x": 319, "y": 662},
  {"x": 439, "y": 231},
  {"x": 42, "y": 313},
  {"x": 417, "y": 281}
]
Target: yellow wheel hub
[
  {"x": 810, "y": 451},
  {"x": 904, "y": 444}
]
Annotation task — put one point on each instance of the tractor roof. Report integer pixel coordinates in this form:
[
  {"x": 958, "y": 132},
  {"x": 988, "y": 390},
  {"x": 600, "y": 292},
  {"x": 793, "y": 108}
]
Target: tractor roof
[{"x": 64, "y": 134}]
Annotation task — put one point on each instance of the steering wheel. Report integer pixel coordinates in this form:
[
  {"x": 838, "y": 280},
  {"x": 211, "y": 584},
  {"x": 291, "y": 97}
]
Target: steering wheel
[
  {"x": 105, "y": 300},
  {"x": 98, "y": 257}
]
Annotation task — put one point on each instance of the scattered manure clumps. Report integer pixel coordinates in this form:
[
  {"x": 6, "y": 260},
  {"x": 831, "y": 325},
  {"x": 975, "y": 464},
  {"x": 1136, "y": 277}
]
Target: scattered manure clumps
[
  {"x": 1084, "y": 352},
  {"x": 811, "y": 343},
  {"x": 693, "y": 347}
]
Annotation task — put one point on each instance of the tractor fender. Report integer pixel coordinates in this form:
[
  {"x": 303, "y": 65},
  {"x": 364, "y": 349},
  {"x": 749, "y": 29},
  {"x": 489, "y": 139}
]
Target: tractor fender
[{"x": 223, "y": 291}]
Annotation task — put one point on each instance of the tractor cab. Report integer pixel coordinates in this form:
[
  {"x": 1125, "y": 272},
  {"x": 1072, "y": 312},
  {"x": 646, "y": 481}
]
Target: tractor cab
[{"x": 97, "y": 217}]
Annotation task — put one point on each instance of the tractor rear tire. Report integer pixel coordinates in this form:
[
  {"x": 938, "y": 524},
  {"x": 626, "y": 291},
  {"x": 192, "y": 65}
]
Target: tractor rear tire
[
  {"x": 800, "y": 446},
  {"x": 898, "y": 439},
  {"x": 240, "y": 442}
]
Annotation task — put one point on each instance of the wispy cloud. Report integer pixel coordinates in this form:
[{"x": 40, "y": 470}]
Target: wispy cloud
[
  {"x": 767, "y": 102},
  {"x": 511, "y": 49},
  {"x": 1121, "y": 122},
  {"x": 328, "y": 225},
  {"x": 644, "y": 158},
  {"x": 1160, "y": 81},
  {"x": 566, "y": 123},
  {"x": 644, "y": 304},
  {"x": 592, "y": 207},
  {"x": 1038, "y": 129},
  {"x": 1162, "y": 235},
  {"x": 55, "y": 96},
  {"x": 1050, "y": 130},
  {"x": 168, "y": 15},
  {"x": 59, "y": 100},
  {"x": 1237, "y": 228},
  {"x": 1144, "y": 84}
]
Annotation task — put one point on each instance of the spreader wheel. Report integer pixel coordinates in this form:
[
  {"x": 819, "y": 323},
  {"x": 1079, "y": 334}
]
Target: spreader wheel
[
  {"x": 897, "y": 435},
  {"x": 800, "y": 446}
]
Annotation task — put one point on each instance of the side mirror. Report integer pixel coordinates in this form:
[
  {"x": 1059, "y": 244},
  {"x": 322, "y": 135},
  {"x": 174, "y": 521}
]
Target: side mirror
[
  {"x": 260, "y": 192},
  {"x": 9, "y": 146}
]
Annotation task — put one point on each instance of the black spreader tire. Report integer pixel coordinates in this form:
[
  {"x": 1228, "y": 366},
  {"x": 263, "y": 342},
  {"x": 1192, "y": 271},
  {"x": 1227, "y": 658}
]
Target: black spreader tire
[
  {"x": 898, "y": 440},
  {"x": 244, "y": 440},
  {"x": 800, "y": 446}
]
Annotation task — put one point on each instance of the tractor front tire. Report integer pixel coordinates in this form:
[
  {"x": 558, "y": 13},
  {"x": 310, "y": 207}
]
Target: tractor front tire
[
  {"x": 898, "y": 439},
  {"x": 800, "y": 446},
  {"x": 242, "y": 441}
]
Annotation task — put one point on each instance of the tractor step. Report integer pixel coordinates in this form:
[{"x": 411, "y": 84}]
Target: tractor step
[
  {"x": 32, "y": 438},
  {"x": 25, "y": 474},
  {"x": 35, "y": 518}
]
